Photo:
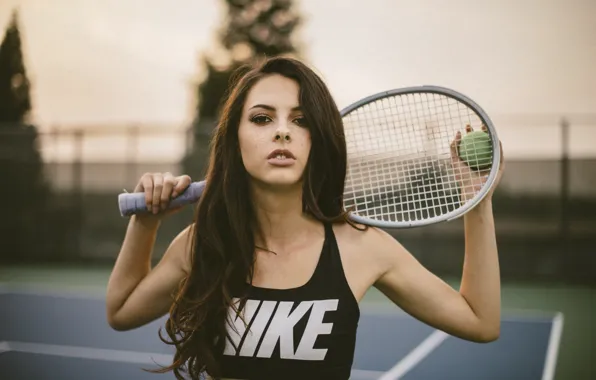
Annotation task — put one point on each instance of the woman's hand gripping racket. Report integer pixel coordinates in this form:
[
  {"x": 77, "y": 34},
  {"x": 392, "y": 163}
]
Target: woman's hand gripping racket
[{"x": 416, "y": 156}]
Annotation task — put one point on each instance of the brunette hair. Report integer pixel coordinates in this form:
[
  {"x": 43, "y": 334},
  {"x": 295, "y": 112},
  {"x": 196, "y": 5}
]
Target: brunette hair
[{"x": 223, "y": 237}]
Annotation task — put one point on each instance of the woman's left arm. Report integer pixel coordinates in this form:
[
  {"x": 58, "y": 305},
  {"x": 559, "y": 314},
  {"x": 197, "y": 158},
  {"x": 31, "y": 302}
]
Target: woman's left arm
[{"x": 472, "y": 313}]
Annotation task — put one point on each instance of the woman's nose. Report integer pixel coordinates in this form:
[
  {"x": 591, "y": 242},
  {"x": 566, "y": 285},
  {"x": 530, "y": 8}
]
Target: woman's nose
[
  {"x": 282, "y": 132},
  {"x": 282, "y": 136}
]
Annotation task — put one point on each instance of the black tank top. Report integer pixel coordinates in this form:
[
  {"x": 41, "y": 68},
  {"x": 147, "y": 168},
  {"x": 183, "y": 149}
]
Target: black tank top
[{"x": 307, "y": 332}]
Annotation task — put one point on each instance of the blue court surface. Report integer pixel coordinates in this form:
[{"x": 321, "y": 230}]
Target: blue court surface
[{"x": 66, "y": 336}]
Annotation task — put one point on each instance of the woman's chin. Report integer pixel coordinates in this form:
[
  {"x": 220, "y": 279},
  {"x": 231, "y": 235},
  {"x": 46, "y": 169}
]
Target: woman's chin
[{"x": 279, "y": 181}]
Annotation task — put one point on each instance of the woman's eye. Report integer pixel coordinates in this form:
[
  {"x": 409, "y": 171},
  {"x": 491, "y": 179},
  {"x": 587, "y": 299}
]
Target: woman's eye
[
  {"x": 301, "y": 121},
  {"x": 260, "y": 119}
]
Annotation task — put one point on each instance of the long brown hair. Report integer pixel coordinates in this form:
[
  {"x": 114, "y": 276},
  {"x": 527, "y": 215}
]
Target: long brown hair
[{"x": 223, "y": 237}]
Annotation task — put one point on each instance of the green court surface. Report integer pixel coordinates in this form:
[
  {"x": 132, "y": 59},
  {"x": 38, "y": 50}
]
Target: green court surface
[{"x": 577, "y": 304}]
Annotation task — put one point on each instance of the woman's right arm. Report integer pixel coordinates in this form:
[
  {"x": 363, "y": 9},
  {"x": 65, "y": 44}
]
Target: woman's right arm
[{"x": 138, "y": 294}]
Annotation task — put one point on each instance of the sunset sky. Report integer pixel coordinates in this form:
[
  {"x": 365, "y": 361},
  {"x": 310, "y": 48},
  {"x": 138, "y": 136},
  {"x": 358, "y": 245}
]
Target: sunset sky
[{"x": 116, "y": 62}]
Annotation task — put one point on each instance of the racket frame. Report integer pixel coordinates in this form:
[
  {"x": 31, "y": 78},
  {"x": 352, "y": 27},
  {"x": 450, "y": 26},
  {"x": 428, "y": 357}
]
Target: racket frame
[{"x": 478, "y": 197}]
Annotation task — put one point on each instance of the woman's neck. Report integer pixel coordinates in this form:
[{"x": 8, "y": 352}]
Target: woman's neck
[{"x": 280, "y": 217}]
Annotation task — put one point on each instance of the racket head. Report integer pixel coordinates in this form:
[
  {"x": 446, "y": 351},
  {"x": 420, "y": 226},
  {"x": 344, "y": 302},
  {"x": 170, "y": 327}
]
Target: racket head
[{"x": 400, "y": 172}]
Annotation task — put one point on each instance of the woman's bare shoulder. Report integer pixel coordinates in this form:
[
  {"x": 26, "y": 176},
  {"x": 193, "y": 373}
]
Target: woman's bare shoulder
[
  {"x": 371, "y": 242},
  {"x": 360, "y": 234}
]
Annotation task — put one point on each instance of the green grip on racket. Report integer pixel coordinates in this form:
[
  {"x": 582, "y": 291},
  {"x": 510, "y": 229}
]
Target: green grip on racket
[{"x": 475, "y": 149}]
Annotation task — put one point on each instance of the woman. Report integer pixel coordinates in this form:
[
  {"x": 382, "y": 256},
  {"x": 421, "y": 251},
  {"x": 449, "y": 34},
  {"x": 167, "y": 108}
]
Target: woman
[{"x": 271, "y": 240}]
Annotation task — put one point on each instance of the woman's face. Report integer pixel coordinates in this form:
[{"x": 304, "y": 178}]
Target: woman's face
[{"x": 274, "y": 140}]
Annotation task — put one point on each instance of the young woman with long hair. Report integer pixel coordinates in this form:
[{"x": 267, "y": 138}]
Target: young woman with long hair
[{"x": 265, "y": 283}]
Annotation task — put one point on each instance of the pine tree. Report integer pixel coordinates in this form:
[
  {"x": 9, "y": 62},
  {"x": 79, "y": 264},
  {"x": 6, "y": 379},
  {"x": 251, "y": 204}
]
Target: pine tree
[
  {"x": 23, "y": 191},
  {"x": 15, "y": 101},
  {"x": 253, "y": 28}
]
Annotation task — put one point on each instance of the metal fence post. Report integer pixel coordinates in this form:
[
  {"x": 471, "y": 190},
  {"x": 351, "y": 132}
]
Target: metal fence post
[
  {"x": 564, "y": 192},
  {"x": 132, "y": 137},
  {"x": 77, "y": 176}
]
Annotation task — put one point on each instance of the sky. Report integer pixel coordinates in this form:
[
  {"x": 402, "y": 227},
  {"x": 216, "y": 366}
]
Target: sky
[{"x": 111, "y": 63}]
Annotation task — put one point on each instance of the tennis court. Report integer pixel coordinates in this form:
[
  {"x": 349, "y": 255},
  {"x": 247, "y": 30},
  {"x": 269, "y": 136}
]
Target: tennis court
[{"x": 59, "y": 334}]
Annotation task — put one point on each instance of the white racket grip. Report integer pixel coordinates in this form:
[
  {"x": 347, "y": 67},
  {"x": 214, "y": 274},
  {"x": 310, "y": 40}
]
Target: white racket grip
[{"x": 134, "y": 203}]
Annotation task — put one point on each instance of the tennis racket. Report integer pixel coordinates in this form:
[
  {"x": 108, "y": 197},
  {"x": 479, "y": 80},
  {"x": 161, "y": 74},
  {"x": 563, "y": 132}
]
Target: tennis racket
[{"x": 402, "y": 170}]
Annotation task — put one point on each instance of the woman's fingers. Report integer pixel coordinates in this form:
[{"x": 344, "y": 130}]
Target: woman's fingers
[
  {"x": 158, "y": 182},
  {"x": 160, "y": 188},
  {"x": 182, "y": 182}
]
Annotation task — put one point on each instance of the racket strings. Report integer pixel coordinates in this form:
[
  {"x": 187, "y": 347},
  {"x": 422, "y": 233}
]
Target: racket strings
[{"x": 400, "y": 166}]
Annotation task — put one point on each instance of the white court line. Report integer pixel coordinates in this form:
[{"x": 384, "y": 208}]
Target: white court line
[
  {"x": 552, "y": 351},
  {"x": 88, "y": 353},
  {"x": 415, "y": 356},
  {"x": 361, "y": 374},
  {"x": 4, "y": 347}
]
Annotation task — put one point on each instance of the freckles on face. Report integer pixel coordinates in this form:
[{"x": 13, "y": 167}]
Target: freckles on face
[{"x": 272, "y": 119}]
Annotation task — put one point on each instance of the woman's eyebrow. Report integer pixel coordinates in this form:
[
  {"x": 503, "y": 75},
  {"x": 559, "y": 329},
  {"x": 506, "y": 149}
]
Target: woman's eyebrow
[{"x": 271, "y": 108}]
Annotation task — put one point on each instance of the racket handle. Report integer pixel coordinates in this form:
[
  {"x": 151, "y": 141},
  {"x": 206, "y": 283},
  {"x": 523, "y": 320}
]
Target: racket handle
[{"x": 134, "y": 203}]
